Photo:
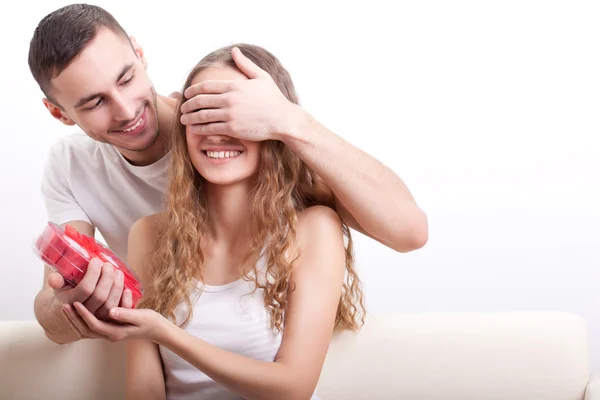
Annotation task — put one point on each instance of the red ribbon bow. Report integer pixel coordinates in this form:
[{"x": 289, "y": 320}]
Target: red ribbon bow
[{"x": 85, "y": 241}]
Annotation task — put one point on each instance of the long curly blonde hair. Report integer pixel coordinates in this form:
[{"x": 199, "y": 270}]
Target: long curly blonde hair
[{"x": 285, "y": 186}]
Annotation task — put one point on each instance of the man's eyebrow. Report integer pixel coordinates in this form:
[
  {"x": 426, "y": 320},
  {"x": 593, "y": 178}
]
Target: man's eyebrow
[
  {"x": 86, "y": 99},
  {"x": 124, "y": 71}
]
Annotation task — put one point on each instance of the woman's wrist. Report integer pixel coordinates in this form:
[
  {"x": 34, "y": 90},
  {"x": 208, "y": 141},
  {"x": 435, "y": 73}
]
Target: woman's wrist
[{"x": 164, "y": 332}]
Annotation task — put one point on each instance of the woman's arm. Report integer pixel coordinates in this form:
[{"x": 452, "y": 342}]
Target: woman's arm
[
  {"x": 144, "y": 374},
  {"x": 309, "y": 323}
]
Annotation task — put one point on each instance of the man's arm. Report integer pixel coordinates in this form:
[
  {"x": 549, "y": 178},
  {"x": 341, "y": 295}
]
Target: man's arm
[
  {"x": 100, "y": 288},
  {"x": 371, "y": 198},
  {"x": 49, "y": 316}
]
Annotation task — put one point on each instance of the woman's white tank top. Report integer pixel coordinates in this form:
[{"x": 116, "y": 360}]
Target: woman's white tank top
[{"x": 230, "y": 317}]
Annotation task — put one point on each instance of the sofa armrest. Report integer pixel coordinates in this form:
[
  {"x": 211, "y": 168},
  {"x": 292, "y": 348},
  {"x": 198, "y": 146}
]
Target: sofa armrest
[{"x": 593, "y": 388}]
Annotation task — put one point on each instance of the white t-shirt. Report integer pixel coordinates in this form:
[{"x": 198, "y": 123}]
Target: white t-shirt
[{"x": 85, "y": 180}]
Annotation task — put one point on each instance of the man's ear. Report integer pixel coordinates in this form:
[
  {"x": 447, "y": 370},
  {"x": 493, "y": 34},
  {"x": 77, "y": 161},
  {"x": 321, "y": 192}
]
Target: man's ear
[
  {"x": 57, "y": 113},
  {"x": 138, "y": 51}
]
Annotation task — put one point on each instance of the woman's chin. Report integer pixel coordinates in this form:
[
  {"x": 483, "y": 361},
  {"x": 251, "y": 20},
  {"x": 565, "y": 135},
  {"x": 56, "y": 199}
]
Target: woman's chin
[{"x": 224, "y": 179}]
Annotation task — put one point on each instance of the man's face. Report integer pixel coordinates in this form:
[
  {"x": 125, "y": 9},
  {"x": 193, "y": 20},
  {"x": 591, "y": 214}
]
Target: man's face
[{"x": 107, "y": 93}]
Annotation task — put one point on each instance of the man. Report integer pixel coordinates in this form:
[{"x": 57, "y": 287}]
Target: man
[{"x": 93, "y": 75}]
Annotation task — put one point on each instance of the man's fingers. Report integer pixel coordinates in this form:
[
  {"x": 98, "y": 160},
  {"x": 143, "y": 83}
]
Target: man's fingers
[
  {"x": 79, "y": 324},
  {"x": 205, "y": 116},
  {"x": 71, "y": 323},
  {"x": 56, "y": 281},
  {"x": 204, "y": 101},
  {"x": 114, "y": 296},
  {"x": 87, "y": 318},
  {"x": 215, "y": 128},
  {"x": 209, "y": 87},
  {"x": 104, "y": 329},
  {"x": 86, "y": 287},
  {"x": 246, "y": 65},
  {"x": 126, "y": 299},
  {"x": 102, "y": 290}
]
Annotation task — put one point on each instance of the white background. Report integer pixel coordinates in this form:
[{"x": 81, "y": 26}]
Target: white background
[{"x": 489, "y": 111}]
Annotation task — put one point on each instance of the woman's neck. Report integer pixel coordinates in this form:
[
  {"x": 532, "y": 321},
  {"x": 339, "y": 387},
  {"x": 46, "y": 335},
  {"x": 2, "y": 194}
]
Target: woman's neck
[{"x": 229, "y": 213}]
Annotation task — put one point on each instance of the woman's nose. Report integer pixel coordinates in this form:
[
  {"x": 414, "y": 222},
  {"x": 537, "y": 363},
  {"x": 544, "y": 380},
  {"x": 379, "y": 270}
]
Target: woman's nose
[{"x": 218, "y": 138}]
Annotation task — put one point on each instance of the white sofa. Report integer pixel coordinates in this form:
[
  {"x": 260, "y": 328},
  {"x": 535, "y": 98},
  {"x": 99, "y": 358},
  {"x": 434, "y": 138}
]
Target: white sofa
[{"x": 483, "y": 356}]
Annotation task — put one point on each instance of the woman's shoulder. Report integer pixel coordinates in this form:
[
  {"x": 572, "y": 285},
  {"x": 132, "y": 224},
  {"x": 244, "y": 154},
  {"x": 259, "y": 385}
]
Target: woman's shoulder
[
  {"x": 145, "y": 224},
  {"x": 319, "y": 246},
  {"x": 318, "y": 223},
  {"x": 143, "y": 232},
  {"x": 318, "y": 215}
]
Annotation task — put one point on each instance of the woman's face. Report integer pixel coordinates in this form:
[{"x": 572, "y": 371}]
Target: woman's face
[{"x": 222, "y": 160}]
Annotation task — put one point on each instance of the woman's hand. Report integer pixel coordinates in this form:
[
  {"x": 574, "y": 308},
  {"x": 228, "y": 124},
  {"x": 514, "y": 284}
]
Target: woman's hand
[{"x": 130, "y": 324}]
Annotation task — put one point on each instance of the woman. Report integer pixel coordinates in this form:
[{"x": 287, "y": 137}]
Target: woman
[{"x": 245, "y": 276}]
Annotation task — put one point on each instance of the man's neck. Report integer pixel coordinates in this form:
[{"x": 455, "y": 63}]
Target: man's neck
[{"x": 166, "y": 107}]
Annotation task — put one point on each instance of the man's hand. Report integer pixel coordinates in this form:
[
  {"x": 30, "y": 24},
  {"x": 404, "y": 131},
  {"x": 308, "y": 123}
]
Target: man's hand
[
  {"x": 253, "y": 109},
  {"x": 100, "y": 290}
]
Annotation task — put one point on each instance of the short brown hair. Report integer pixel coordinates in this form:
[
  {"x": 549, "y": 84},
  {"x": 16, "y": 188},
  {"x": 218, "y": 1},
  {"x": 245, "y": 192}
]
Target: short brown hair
[{"x": 62, "y": 35}]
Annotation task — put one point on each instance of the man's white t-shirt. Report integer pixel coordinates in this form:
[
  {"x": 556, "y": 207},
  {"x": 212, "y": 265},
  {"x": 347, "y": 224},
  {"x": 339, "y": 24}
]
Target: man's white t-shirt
[{"x": 86, "y": 180}]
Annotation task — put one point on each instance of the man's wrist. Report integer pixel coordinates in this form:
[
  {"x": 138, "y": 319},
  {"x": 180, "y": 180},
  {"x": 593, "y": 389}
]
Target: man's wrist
[
  {"x": 296, "y": 130},
  {"x": 49, "y": 315}
]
